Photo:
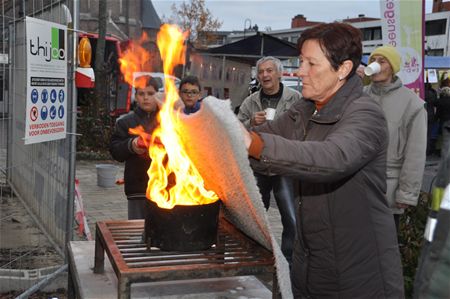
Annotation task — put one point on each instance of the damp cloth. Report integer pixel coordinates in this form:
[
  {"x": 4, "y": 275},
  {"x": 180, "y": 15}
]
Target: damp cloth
[{"x": 214, "y": 142}]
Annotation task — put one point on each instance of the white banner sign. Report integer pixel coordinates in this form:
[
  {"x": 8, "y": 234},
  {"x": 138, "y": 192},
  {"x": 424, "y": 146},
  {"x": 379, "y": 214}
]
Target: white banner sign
[
  {"x": 402, "y": 27},
  {"x": 46, "y": 95}
]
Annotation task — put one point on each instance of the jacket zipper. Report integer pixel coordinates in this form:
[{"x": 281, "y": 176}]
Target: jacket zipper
[{"x": 305, "y": 244}]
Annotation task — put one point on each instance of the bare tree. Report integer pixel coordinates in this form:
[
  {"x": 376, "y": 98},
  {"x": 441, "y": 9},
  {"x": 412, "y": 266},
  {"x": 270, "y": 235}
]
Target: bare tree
[
  {"x": 100, "y": 84},
  {"x": 195, "y": 17}
]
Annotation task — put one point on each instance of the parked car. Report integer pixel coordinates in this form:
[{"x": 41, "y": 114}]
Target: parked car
[
  {"x": 159, "y": 77},
  {"x": 293, "y": 82}
]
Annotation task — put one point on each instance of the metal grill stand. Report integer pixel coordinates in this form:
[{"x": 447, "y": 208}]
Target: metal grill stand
[{"x": 234, "y": 254}]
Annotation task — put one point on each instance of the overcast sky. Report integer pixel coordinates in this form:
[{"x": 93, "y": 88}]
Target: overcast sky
[{"x": 278, "y": 14}]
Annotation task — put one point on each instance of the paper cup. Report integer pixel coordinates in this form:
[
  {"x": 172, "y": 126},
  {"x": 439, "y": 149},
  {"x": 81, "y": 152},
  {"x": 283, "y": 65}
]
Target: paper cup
[
  {"x": 270, "y": 113},
  {"x": 372, "y": 69}
]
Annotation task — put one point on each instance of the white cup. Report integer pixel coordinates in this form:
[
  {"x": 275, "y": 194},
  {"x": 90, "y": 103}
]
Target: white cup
[
  {"x": 372, "y": 69},
  {"x": 270, "y": 113}
]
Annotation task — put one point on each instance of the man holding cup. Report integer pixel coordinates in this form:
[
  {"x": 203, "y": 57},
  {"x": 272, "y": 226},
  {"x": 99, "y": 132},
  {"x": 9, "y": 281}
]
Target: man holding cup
[{"x": 264, "y": 105}]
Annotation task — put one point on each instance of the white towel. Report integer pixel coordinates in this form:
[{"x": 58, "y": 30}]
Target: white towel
[{"x": 215, "y": 144}]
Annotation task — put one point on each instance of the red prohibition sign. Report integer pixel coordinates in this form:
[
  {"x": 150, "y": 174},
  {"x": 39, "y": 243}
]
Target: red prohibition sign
[{"x": 34, "y": 113}]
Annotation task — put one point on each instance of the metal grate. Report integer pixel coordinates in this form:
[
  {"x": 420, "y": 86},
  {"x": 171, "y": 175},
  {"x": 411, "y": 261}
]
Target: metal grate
[{"x": 234, "y": 254}]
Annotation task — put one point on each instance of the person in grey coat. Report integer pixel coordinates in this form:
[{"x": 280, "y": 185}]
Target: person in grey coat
[
  {"x": 334, "y": 143},
  {"x": 407, "y": 123},
  {"x": 266, "y": 104}
]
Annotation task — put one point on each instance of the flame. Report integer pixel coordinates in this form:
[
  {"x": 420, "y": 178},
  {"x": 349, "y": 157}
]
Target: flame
[
  {"x": 174, "y": 180},
  {"x": 135, "y": 59}
]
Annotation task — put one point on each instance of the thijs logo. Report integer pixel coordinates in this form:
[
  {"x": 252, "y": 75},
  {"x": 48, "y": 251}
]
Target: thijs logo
[{"x": 53, "y": 49}]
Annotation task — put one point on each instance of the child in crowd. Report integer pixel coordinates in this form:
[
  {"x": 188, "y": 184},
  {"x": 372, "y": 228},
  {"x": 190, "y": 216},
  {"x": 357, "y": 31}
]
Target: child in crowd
[
  {"x": 190, "y": 93},
  {"x": 128, "y": 148}
]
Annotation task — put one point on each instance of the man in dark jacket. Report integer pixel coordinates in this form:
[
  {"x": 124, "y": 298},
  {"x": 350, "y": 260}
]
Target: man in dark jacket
[{"x": 132, "y": 149}]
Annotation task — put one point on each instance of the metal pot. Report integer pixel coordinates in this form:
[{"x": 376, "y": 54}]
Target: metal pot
[{"x": 183, "y": 228}]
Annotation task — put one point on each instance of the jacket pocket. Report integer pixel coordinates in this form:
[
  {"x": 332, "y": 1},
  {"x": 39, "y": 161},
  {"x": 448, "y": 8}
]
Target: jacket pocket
[{"x": 397, "y": 141}]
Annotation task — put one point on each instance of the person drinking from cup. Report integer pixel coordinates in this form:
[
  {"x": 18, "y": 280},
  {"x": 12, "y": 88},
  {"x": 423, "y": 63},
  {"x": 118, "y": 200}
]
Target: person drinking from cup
[
  {"x": 407, "y": 123},
  {"x": 267, "y": 104}
]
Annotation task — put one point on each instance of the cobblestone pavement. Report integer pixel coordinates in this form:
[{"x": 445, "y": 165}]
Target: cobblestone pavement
[{"x": 111, "y": 204}]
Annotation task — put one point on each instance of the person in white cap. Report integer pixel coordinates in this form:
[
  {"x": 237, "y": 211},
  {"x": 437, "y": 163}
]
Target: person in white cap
[{"x": 407, "y": 124}]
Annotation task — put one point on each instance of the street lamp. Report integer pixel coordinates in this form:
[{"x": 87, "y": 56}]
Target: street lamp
[{"x": 249, "y": 26}]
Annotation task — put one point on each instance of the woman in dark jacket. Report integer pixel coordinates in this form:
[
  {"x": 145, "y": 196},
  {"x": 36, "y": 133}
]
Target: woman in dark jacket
[
  {"x": 128, "y": 148},
  {"x": 334, "y": 142}
]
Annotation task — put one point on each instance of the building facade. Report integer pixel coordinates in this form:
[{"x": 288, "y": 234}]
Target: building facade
[
  {"x": 436, "y": 32},
  {"x": 125, "y": 19}
]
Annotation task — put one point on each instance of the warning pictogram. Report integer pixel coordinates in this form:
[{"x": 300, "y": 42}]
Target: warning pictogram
[
  {"x": 53, "y": 96},
  {"x": 61, "y": 95},
  {"x": 44, "y": 112},
  {"x": 34, "y": 113},
  {"x": 34, "y": 96},
  {"x": 52, "y": 112}
]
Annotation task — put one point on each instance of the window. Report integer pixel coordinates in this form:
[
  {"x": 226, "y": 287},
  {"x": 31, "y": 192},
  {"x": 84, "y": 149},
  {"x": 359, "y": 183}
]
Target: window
[
  {"x": 214, "y": 73},
  {"x": 205, "y": 71},
  {"x": 1, "y": 88},
  {"x": 377, "y": 33},
  {"x": 372, "y": 33},
  {"x": 208, "y": 90},
  {"x": 435, "y": 52},
  {"x": 435, "y": 27}
]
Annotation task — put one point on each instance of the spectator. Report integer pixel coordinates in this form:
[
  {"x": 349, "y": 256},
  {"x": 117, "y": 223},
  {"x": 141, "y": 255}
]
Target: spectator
[
  {"x": 432, "y": 276},
  {"x": 443, "y": 114},
  {"x": 128, "y": 148},
  {"x": 444, "y": 82},
  {"x": 190, "y": 94},
  {"x": 334, "y": 143},
  {"x": 407, "y": 123},
  {"x": 252, "y": 113},
  {"x": 431, "y": 102}
]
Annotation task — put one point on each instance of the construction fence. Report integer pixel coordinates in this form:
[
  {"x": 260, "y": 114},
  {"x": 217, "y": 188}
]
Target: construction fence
[{"x": 35, "y": 176}]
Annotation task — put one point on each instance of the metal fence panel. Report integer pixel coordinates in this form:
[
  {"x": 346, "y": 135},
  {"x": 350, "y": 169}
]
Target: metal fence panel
[{"x": 38, "y": 173}]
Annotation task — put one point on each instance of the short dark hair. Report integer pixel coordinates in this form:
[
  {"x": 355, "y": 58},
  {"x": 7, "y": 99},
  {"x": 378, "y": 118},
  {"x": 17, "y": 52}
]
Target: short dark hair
[
  {"x": 338, "y": 41},
  {"x": 191, "y": 80},
  {"x": 148, "y": 81}
]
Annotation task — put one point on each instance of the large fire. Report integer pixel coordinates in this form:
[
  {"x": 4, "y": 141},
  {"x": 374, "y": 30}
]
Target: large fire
[
  {"x": 135, "y": 59},
  {"x": 174, "y": 180}
]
